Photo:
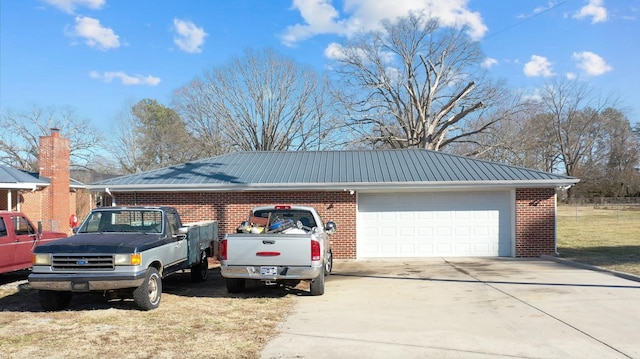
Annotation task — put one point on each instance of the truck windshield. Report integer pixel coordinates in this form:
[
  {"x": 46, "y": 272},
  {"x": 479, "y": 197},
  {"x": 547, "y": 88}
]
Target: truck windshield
[{"x": 130, "y": 220}]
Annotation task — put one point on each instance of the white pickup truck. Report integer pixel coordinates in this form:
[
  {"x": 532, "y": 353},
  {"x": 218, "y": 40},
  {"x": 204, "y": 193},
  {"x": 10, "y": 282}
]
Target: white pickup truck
[{"x": 278, "y": 244}]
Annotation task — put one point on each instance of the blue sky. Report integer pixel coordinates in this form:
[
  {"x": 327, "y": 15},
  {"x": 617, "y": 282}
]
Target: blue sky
[{"x": 99, "y": 56}]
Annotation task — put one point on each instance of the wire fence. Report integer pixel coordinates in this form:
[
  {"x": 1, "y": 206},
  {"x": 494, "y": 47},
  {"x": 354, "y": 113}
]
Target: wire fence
[
  {"x": 51, "y": 225},
  {"x": 607, "y": 202},
  {"x": 622, "y": 210}
]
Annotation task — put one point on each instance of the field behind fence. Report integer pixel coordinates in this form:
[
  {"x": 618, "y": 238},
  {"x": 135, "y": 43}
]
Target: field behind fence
[{"x": 602, "y": 234}]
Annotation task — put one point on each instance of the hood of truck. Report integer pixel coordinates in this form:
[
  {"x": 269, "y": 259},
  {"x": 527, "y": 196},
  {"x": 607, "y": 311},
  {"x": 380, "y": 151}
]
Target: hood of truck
[{"x": 103, "y": 243}]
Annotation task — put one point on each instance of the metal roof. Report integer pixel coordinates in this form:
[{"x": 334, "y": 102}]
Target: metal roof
[
  {"x": 11, "y": 178},
  {"x": 332, "y": 170}
]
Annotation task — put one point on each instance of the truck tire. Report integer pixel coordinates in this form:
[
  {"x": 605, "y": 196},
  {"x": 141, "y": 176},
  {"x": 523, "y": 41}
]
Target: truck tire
[
  {"x": 51, "y": 300},
  {"x": 328, "y": 266},
  {"x": 147, "y": 295},
  {"x": 200, "y": 271},
  {"x": 317, "y": 284},
  {"x": 235, "y": 285}
]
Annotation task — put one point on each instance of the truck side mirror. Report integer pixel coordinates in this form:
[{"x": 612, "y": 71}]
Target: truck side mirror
[
  {"x": 330, "y": 227},
  {"x": 182, "y": 232},
  {"x": 39, "y": 227}
]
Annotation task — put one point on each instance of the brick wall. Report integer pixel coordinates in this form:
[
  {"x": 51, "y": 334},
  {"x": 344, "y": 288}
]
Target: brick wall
[
  {"x": 535, "y": 222},
  {"x": 231, "y": 208},
  {"x": 535, "y": 213}
]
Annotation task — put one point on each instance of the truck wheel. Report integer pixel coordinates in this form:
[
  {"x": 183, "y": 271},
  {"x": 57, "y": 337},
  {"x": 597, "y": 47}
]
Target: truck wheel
[
  {"x": 317, "y": 285},
  {"x": 328, "y": 266},
  {"x": 147, "y": 295},
  {"x": 200, "y": 271},
  {"x": 235, "y": 285},
  {"x": 53, "y": 300}
]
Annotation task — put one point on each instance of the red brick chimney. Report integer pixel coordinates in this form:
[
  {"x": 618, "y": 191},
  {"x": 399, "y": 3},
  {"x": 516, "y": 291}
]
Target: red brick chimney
[{"x": 55, "y": 158}]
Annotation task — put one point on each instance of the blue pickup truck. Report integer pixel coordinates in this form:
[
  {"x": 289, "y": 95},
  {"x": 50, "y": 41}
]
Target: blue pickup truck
[{"x": 122, "y": 251}]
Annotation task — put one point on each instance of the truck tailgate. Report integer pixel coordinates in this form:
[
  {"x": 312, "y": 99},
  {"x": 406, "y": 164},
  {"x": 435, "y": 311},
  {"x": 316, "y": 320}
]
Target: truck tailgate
[{"x": 269, "y": 250}]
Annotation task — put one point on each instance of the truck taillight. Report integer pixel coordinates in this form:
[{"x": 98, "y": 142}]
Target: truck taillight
[
  {"x": 282, "y": 207},
  {"x": 315, "y": 251},
  {"x": 223, "y": 249}
]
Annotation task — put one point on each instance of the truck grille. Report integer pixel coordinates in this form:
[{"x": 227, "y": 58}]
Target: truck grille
[{"x": 82, "y": 262}]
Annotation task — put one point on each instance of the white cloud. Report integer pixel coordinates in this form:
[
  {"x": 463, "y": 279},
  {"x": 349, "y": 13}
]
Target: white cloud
[
  {"x": 69, "y": 6},
  {"x": 595, "y": 10},
  {"x": 94, "y": 34},
  {"x": 489, "y": 62},
  {"x": 125, "y": 79},
  {"x": 571, "y": 76},
  {"x": 592, "y": 64},
  {"x": 189, "y": 38},
  {"x": 334, "y": 51},
  {"x": 320, "y": 17},
  {"x": 538, "y": 66}
]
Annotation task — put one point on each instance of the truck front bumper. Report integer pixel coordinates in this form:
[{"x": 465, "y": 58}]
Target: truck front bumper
[
  {"x": 85, "y": 282},
  {"x": 282, "y": 272}
]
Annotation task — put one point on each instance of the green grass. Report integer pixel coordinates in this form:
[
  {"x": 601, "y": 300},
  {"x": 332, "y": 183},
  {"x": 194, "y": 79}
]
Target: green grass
[{"x": 604, "y": 237}]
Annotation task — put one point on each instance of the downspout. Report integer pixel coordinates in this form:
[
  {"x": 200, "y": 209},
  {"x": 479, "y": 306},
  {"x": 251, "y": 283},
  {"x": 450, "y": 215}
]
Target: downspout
[
  {"x": 555, "y": 225},
  {"x": 113, "y": 198}
]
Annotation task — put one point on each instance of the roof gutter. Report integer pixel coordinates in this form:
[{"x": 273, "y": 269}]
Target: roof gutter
[
  {"x": 26, "y": 186},
  {"x": 361, "y": 186}
]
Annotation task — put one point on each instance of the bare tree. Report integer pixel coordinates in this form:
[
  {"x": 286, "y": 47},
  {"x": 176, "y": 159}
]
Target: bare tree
[
  {"x": 417, "y": 84},
  {"x": 21, "y": 131},
  {"x": 610, "y": 168},
  {"x": 520, "y": 140},
  {"x": 150, "y": 136},
  {"x": 577, "y": 118},
  {"x": 261, "y": 101}
]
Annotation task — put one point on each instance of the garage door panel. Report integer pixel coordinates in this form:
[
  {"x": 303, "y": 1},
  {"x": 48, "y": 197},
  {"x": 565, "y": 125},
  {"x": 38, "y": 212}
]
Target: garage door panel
[{"x": 434, "y": 224}]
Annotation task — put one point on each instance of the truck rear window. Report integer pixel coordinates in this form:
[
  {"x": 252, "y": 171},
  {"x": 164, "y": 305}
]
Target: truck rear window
[{"x": 288, "y": 214}]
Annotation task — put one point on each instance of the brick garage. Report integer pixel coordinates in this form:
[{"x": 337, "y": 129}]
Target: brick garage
[
  {"x": 535, "y": 213},
  {"x": 386, "y": 203}
]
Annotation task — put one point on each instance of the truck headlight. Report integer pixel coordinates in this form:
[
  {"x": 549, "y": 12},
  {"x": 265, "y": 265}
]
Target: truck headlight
[
  {"x": 130, "y": 259},
  {"x": 41, "y": 259}
]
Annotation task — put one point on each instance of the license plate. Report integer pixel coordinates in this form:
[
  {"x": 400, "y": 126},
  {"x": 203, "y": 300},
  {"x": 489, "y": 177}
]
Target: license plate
[
  {"x": 268, "y": 271},
  {"x": 80, "y": 286}
]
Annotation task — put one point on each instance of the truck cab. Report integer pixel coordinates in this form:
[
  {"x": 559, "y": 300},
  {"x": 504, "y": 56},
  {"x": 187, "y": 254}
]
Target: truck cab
[{"x": 18, "y": 237}]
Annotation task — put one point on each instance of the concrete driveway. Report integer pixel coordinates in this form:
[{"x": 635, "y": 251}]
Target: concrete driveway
[{"x": 464, "y": 308}]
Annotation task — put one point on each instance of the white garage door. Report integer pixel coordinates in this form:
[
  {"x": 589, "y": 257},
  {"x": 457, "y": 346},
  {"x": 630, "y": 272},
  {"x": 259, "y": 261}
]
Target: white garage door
[{"x": 434, "y": 224}]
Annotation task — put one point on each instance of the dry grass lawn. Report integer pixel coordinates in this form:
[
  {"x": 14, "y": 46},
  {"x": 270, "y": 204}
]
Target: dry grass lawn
[
  {"x": 203, "y": 320},
  {"x": 193, "y": 321},
  {"x": 604, "y": 237}
]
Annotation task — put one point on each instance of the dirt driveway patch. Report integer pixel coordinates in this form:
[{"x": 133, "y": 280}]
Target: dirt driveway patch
[
  {"x": 464, "y": 308},
  {"x": 194, "y": 320}
]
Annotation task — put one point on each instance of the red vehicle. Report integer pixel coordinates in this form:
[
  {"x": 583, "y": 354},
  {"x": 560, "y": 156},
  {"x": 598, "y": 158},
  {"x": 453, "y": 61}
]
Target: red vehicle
[{"x": 18, "y": 238}]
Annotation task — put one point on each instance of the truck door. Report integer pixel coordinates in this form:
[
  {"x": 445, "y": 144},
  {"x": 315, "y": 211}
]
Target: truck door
[
  {"x": 25, "y": 237},
  {"x": 7, "y": 250},
  {"x": 178, "y": 244}
]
